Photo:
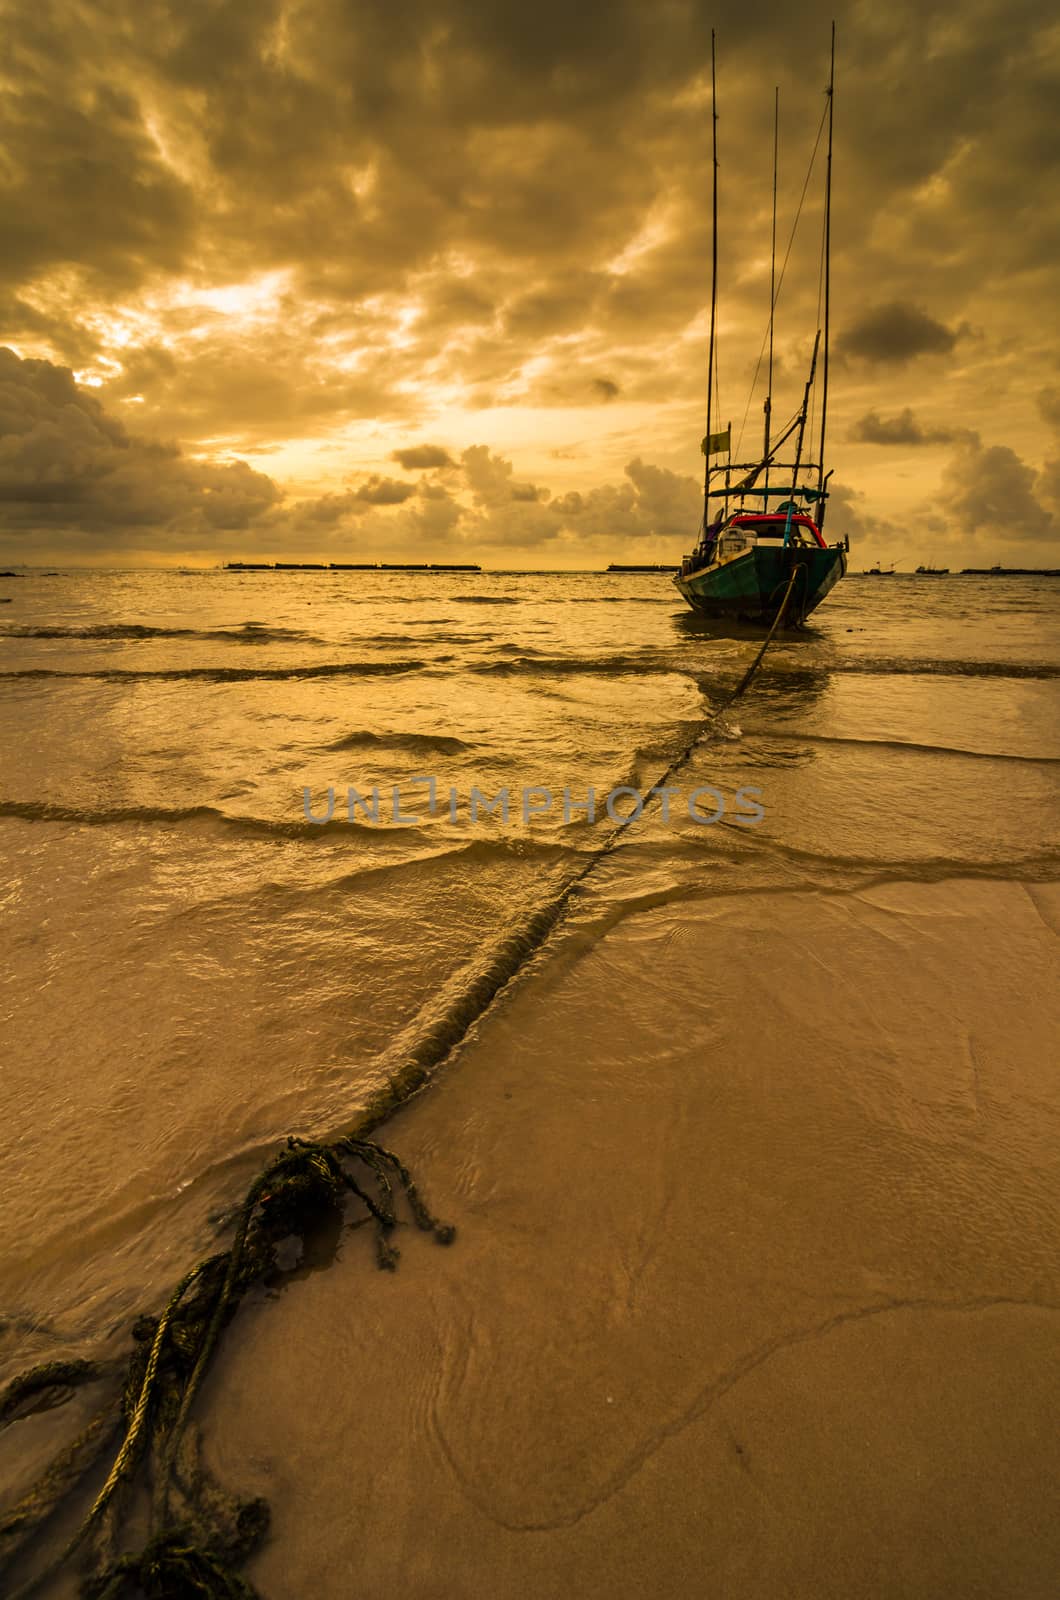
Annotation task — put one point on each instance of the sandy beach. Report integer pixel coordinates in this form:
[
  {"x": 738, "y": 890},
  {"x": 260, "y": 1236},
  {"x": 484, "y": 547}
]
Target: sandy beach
[{"x": 766, "y": 1307}]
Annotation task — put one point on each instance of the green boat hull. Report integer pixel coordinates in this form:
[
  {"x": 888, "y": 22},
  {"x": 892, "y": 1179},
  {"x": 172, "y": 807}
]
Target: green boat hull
[{"x": 751, "y": 587}]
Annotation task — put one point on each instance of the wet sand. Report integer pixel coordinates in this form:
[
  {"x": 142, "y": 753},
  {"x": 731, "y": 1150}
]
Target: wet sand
[{"x": 762, "y": 1300}]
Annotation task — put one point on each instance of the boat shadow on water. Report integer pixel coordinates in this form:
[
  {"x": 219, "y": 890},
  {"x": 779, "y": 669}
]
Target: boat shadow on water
[{"x": 691, "y": 625}]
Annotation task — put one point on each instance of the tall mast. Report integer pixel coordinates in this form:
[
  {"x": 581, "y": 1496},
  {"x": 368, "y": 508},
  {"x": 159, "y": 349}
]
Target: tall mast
[
  {"x": 821, "y": 504},
  {"x": 802, "y": 417},
  {"x": 713, "y": 272},
  {"x": 772, "y": 286}
]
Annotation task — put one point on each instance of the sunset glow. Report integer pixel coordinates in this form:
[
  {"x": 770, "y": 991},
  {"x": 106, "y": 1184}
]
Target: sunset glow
[{"x": 391, "y": 237}]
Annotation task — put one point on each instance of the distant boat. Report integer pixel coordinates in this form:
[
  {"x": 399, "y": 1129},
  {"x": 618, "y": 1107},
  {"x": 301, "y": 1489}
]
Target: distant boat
[
  {"x": 879, "y": 572},
  {"x": 932, "y": 572},
  {"x": 618, "y": 566},
  {"x": 748, "y": 561}
]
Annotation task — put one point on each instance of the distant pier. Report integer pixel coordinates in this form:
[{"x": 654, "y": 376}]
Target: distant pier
[{"x": 347, "y": 566}]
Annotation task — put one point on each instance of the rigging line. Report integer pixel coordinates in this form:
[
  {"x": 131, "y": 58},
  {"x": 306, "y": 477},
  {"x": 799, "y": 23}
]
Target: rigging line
[
  {"x": 772, "y": 281},
  {"x": 784, "y": 268},
  {"x": 827, "y": 265},
  {"x": 714, "y": 261},
  {"x": 820, "y": 296}
]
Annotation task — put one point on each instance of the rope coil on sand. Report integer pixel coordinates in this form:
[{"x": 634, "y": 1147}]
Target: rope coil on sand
[{"x": 194, "y": 1551}]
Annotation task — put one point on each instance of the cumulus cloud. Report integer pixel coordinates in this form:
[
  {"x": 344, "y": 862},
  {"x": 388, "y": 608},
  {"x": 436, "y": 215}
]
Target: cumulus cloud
[
  {"x": 330, "y": 509},
  {"x": 653, "y": 502},
  {"x": 384, "y": 491},
  {"x": 490, "y": 478},
  {"x": 849, "y": 514},
  {"x": 417, "y": 457},
  {"x": 66, "y": 464},
  {"x": 896, "y": 333},
  {"x": 903, "y": 429},
  {"x": 990, "y": 487}
]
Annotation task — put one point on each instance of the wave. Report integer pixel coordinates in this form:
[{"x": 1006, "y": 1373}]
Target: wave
[
  {"x": 110, "y": 816},
  {"x": 755, "y": 845},
  {"x": 887, "y": 666},
  {"x": 568, "y": 600},
  {"x": 959, "y": 751},
  {"x": 329, "y": 669},
  {"x": 263, "y": 898},
  {"x": 415, "y": 743},
  {"x": 923, "y": 869},
  {"x": 561, "y": 666},
  {"x": 423, "y": 638},
  {"x": 525, "y": 660},
  {"x": 134, "y": 632}
]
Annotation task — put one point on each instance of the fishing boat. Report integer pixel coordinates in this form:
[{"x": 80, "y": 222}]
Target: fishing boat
[
  {"x": 751, "y": 560},
  {"x": 932, "y": 572},
  {"x": 878, "y": 572}
]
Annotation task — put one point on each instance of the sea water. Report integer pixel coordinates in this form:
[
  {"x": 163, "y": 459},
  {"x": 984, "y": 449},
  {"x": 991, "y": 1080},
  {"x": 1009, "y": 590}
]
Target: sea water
[{"x": 194, "y": 968}]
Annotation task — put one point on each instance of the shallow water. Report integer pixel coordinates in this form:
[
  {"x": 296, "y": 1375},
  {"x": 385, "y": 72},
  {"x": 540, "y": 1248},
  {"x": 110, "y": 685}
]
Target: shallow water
[{"x": 192, "y": 969}]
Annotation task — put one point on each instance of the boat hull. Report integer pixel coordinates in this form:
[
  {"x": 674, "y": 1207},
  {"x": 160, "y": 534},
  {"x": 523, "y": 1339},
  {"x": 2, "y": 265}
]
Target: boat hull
[{"x": 751, "y": 587}]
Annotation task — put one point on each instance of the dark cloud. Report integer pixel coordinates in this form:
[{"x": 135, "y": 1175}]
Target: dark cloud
[
  {"x": 557, "y": 307},
  {"x": 895, "y": 333},
  {"x": 1048, "y": 401},
  {"x": 420, "y": 456},
  {"x": 903, "y": 429},
  {"x": 84, "y": 187}
]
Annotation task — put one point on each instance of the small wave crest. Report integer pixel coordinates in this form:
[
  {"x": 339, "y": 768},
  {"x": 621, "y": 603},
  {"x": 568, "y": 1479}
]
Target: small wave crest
[
  {"x": 135, "y": 632},
  {"x": 327, "y": 669},
  {"x": 110, "y": 816},
  {"x": 887, "y": 666},
  {"x": 902, "y": 746},
  {"x": 597, "y": 666}
]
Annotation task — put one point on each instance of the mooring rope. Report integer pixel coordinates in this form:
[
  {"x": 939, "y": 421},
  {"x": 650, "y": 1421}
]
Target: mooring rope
[{"x": 196, "y": 1554}]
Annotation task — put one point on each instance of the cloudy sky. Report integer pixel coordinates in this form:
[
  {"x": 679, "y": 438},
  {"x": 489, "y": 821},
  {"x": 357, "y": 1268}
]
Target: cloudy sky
[{"x": 429, "y": 279}]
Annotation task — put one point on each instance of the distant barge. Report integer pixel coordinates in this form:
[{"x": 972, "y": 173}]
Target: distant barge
[
  {"x": 617, "y": 566},
  {"x": 345, "y": 566}
]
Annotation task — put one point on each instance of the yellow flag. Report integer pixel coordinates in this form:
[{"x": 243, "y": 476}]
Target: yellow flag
[{"x": 715, "y": 443}]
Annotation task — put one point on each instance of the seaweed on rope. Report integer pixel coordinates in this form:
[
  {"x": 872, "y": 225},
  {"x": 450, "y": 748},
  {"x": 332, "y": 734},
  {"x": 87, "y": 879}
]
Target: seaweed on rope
[{"x": 199, "y": 1533}]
